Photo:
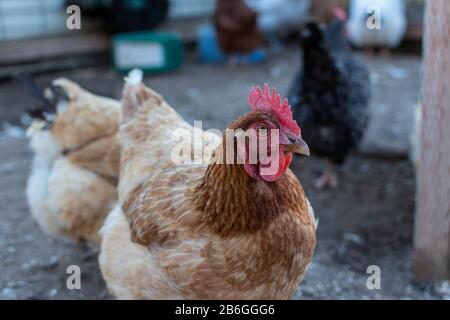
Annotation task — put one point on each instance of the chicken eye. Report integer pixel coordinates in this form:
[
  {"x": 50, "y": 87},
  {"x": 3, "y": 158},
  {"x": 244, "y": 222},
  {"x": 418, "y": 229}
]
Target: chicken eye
[{"x": 262, "y": 129}]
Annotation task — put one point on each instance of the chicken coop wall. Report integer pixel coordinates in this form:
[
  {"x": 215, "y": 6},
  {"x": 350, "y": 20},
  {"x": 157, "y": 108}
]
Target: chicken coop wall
[
  {"x": 33, "y": 18},
  {"x": 25, "y": 19},
  {"x": 40, "y": 18},
  {"x": 190, "y": 8}
]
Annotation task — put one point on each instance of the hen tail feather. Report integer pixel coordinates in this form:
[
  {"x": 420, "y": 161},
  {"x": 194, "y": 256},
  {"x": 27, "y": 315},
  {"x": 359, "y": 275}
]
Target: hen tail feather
[
  {"x": 135, "y": 94},
  {"x": 46, "y": 106}
]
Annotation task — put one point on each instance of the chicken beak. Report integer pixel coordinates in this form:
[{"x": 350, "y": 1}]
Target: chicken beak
[{"x": 297, "y": 145}]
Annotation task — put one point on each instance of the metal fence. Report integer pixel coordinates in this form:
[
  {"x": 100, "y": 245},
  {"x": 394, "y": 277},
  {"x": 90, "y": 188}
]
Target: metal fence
[{"x": 32, "y": 18}]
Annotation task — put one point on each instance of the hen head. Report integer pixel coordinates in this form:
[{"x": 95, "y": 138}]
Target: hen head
[
  {"x": 320, "y": 35},
  {"x": 312, "y": 35},
  {"x": 270, "y": 135}
]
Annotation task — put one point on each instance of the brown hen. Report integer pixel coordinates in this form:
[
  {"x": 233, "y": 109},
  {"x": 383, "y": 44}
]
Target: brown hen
[
  {"x": 215, "y": 230},
  {"x": 236, "y": 27}
]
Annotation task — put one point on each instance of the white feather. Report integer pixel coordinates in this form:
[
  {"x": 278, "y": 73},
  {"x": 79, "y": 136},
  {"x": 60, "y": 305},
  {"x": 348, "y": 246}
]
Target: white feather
[
  {"x": 135, "y": 77},
  {"x": 392, "y": 15},
  {"x": 279, "y": 16}
]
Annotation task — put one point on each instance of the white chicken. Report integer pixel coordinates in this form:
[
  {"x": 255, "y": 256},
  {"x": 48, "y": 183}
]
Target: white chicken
[
  {"x": 74, "y": 175},
  {"x": 377, "y": 23},
  {"x": 278, "y": 17}
]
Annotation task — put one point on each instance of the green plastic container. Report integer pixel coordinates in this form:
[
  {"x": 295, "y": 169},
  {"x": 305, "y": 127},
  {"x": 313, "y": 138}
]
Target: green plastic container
[{"x": 149, "y": 51}]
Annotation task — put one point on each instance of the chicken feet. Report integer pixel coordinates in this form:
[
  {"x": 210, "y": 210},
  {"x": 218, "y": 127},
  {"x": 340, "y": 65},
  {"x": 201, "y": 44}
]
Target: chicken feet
[{"x": 328, "y": 178}]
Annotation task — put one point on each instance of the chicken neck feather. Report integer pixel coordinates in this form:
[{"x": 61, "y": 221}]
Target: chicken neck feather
[{"x": 233, "y": 202}]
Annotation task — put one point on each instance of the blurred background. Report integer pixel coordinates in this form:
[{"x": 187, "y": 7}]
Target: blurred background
[{"x": 367, "y": 220}]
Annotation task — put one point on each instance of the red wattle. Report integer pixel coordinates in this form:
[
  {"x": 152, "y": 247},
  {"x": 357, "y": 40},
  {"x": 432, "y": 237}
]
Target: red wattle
[{"x": 283, "y": 161}]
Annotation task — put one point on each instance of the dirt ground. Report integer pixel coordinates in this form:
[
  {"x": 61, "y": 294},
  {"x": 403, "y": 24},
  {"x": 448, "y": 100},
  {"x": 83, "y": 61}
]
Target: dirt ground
[{"x": 368, "y": 220}]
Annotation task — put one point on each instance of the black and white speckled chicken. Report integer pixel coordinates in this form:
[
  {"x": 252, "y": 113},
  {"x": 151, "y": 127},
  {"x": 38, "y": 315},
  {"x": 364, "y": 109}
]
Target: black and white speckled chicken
[{"x": 330, "y": 96}]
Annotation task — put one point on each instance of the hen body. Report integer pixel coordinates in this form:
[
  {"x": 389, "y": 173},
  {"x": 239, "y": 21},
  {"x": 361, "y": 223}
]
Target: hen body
[
  {"x": 236, "y": 27},
  {"x": 330, "y": 95},
  {"x": 280, "y": 16},
  {"x": 205, "y": 231},
  {"x": 72, "y": 186}
]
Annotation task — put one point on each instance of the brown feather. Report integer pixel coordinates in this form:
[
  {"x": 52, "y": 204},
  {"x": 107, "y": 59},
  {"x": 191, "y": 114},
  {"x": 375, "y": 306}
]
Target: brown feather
[{"x": 236, "y": 27}]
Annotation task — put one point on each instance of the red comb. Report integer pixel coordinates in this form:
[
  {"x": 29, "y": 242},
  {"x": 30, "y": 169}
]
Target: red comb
[
  {"x": 340, "y": 13},
  {"x": 264, "y": 101}
]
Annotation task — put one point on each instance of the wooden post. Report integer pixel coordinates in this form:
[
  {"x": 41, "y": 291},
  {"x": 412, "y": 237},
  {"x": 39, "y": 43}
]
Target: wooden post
[{"x": 432, "y": 235}]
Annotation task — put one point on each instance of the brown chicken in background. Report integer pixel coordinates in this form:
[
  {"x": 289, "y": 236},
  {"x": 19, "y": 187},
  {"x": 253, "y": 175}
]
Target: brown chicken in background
[
  {"x": 208, "y": 230},
  {"x": 236, "y": 27},
  {"x": 325, "y": 10},
  {"x": 72, "y": 186}
]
